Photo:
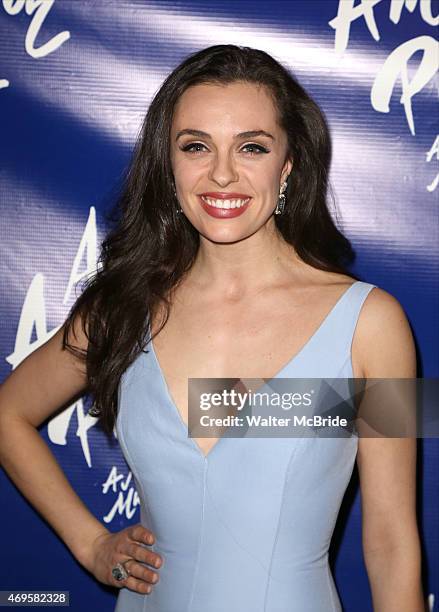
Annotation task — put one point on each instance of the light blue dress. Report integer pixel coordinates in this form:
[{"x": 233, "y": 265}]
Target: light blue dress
[{"x": 247, "y": 528}]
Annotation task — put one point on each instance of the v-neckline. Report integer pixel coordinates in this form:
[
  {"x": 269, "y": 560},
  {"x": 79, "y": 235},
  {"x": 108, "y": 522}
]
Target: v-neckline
[{"x": 293, "y": 359}]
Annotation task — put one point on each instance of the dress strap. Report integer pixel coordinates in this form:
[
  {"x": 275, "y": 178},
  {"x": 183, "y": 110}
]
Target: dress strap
[{"x": 346, "y": 319}]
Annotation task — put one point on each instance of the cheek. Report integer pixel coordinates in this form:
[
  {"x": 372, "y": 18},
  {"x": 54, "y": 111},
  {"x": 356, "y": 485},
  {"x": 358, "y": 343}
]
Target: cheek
[
  {"x": 186, "y": 171},
  {"x": 266, "y": 181}
]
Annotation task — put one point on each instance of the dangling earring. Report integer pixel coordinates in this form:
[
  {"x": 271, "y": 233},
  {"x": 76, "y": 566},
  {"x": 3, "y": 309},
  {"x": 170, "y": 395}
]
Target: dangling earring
[
  {"x": 179, "y": 209},
  {"x": 281, "y": 201}
]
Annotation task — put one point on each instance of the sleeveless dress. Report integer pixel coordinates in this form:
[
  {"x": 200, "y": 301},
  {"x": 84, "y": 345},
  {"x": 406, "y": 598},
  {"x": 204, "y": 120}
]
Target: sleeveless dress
[{"x": 248, "y": 527}]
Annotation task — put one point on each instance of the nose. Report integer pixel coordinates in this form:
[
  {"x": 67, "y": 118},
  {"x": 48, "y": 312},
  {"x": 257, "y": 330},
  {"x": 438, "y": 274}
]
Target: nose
[{"x": 223, "y": 170}]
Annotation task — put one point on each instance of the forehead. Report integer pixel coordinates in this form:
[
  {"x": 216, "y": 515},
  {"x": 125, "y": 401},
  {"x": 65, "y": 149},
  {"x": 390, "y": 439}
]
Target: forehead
[{"x": 236, "y": 105}]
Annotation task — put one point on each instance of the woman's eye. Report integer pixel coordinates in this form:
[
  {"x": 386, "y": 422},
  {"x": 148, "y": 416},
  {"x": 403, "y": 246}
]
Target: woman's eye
[
  {"x": 194, "y": 147},
  {"x": 255, "y": 148}
]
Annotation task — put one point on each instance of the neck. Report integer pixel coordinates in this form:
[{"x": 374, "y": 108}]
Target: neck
[{"x": 241, "y": 268}]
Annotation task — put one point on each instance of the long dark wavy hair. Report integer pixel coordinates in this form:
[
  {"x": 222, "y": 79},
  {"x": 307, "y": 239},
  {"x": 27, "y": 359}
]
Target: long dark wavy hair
[{"x": 150, "y": 247}]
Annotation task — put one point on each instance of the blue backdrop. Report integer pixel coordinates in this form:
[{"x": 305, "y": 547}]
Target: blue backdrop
[{"x": 76, "y": 78}]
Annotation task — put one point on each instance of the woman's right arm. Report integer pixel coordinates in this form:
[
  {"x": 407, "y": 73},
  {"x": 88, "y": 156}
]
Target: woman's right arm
[{"x": 41, "y": 384}]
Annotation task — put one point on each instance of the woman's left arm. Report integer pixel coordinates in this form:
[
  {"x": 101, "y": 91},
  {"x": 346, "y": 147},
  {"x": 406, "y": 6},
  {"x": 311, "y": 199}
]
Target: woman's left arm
[{"x": 387, "y": 466}]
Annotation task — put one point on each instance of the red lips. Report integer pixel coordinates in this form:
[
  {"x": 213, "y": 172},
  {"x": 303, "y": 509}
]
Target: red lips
[{"x": 224, "y": 213}]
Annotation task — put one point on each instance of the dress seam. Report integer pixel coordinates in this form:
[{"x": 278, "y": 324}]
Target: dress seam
[
  {"x": 200, "y": 537},
  {"x": 293, "y": 454}
]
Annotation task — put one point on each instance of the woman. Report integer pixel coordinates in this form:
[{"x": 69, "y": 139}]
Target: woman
[{"x": 226, "y": 257}]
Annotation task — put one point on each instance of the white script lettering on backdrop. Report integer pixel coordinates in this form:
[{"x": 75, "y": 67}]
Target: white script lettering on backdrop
[
  {"x": 33, "y": 314},
  {"x": 396, "y": 64},
  {"x": 39, "y": 9},
  {"x": 433, "y": 153},
  {"x": 127, "y": 497}
]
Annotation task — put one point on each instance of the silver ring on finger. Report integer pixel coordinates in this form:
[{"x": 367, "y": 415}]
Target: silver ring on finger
[{"x": 119, "y": 572}]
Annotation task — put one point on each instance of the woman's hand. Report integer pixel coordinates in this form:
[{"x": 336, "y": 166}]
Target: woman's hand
[{"x": 125, "y": 547}]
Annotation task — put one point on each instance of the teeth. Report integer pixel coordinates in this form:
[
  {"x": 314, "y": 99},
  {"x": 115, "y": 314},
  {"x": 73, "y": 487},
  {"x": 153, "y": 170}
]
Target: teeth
[{"x": 225, "y": 203}]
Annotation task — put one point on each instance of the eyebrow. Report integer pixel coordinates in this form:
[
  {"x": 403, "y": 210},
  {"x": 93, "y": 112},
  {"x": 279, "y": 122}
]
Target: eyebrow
[{"x": 201, "y": 134}]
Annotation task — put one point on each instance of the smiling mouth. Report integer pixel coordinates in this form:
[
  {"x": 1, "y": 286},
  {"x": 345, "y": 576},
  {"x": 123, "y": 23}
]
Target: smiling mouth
[{"x": 225, "y": 203}]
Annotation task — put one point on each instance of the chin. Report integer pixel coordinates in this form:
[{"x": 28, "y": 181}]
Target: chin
[{"x": 224, "y": 237}]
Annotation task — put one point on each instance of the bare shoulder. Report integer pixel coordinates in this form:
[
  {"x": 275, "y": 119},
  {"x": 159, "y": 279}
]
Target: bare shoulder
[{"x": 383, "y": 341}]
